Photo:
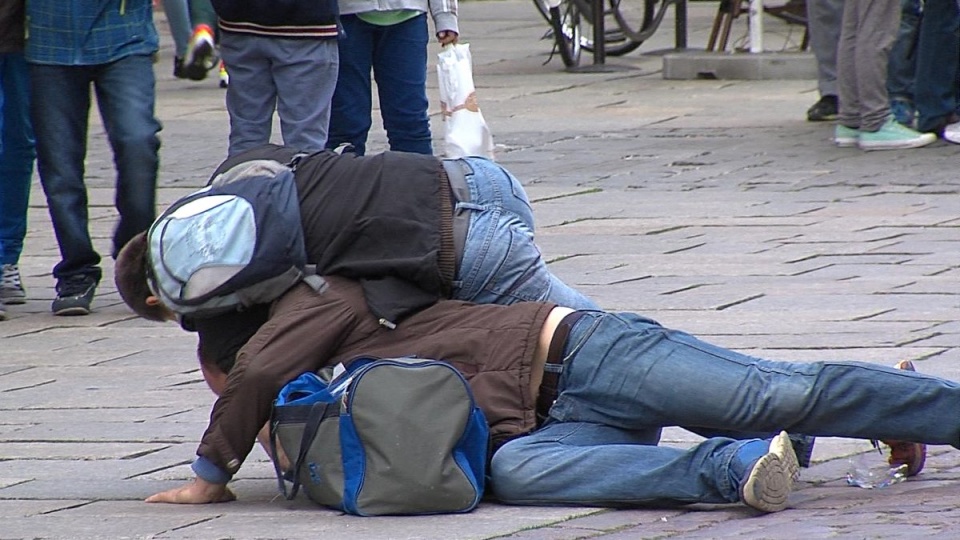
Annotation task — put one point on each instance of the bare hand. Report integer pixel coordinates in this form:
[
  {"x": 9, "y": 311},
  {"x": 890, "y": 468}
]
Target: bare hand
[
  {"x": 197, "y": 492},
  {"x": 447, "y": 37}
]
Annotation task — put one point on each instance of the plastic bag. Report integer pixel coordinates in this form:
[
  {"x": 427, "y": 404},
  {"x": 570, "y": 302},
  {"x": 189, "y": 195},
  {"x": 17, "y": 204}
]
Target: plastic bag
[{"x": 466, "y": 133}]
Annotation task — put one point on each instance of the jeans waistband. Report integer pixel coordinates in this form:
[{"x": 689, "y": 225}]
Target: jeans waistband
[
  {"x": 550, "y": 385},
  {"x": 456, "y": 171}
]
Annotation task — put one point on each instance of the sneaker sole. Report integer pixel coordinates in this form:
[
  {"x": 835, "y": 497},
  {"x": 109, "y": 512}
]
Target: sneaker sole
[
  {"x": 13, "y": 299},
  {"x": 771, "y": 480},
  {"x": 846, "y": 143},
  {"x": 71, "y": 311},
  {"x": 917, "y": 143}
]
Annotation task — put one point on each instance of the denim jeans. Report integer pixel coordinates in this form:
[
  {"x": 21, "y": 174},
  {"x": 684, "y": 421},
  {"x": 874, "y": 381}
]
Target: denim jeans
[
  {"x": 16, "y": 155},
  {"x": 938, "y": 57},
  {"x": 60, "y": 105},
  {"x": 903, "y": 55},
  {"x": 397, "y": 54},
  {"x": 625, "y": 377},
  {"x": 294, "y": 77},
  {"x": 501, "y": 264}
]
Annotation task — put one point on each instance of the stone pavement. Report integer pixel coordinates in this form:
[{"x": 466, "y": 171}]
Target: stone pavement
[{"x": 709, "y": 205}]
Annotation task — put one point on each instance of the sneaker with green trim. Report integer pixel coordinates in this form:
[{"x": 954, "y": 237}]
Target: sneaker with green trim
[
  {"x": 846, "y": 137},
  {"x": 893, "y": 136}
]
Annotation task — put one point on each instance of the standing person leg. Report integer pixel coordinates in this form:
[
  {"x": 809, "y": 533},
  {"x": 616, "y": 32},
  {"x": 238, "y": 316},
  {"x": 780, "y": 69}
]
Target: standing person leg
[
  {"x": 823, "y": 22},
  {"x": 400, "y": 69},
  {"x": 177, "y": 13},
  {"x": 350, "y": 118},
  {"x": 305, "y": 74},
  {"x": 126, "y": 97},
  {"x": 627, "y": 371},
  {"x": 847, "y": 132},
  {"x": 501, "y": 264},
  {"x": 252, "y": 96},
  {"x": 878, "y": 22},
  {"x": 938, "y": 58},
  {"x": 59, "y": 106},
  {"x": 903, "y": 64},
  {"x": 17, "y": 155}
]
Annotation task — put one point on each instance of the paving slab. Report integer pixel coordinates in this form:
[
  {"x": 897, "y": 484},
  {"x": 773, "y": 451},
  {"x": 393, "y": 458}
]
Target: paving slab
[{"x": 710, "y": 205}]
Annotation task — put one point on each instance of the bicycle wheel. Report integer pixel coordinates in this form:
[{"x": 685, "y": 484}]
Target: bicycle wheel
[
  {"x": 565, "y": 21},
  {"x": 615, "y": 41},
  {"x": 638, "y": 19}
]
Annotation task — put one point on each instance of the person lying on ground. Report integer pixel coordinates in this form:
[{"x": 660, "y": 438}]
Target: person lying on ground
[{"x": 576, "y": 399}]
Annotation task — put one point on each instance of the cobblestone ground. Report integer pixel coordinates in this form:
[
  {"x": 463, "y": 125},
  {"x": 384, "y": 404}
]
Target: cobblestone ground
[{"x": 710, "y": 205}]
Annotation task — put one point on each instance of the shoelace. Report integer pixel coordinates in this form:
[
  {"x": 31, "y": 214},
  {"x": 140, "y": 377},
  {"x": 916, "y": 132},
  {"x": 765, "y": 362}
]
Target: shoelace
[{"x": 11, "y": 277}]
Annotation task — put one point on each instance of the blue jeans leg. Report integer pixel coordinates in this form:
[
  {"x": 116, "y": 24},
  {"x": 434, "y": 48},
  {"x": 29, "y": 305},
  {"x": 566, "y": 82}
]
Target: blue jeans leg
[
  {"x": 593, "y": 464},
  {"x": 397, "y": 55},
  {"x": 903, "y": 55},
  {"x": 126, "y": 95},
  {"x": 627, "y": 371},
  {"x": 501, "y": 264},
  {"x": 17, "y": 155},
  {"x": 400, "y": 69},
  {"x": 938, "y": 58},
  {"x": 60, "y": 103}
]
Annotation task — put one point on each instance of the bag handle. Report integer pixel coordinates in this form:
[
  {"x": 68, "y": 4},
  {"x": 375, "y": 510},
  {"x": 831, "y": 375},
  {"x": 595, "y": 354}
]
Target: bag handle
[{"x": 318, "y": 411}]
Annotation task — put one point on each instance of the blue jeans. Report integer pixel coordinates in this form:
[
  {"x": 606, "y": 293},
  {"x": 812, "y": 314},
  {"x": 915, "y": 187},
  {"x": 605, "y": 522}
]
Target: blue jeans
[
  {"x": 501, "y": 264},
  {"x": 294, "y": 77},
  {"x": 903, "y": 55},
  {"x": 938, "y": 57},
  {"x": 397, "y": 54},
  {"x": 60, "y": 105},
  {"x": 625, "y": 377},
  {"x": 16, "y": 155}
]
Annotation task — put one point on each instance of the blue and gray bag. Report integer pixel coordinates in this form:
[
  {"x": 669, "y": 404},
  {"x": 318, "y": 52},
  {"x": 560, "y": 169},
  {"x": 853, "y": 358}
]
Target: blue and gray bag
[
  {"x": 383, "y": 437},
  {"x": 235, "y": 243}
]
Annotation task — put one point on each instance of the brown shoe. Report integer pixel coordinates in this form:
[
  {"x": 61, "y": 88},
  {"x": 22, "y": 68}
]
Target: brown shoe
[{"x": 913, "y": 455}]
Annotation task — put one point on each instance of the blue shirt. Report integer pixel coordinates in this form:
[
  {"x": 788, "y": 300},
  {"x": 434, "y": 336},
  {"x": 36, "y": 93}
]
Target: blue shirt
[{"x": 88, "y": 32}]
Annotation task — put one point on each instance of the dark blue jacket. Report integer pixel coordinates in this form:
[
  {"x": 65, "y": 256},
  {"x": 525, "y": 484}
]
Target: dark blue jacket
[{"x": 317, "y": 19}]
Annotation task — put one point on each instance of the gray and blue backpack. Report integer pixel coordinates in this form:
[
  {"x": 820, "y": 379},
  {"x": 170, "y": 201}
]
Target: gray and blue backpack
[{"x": 233, "y": 244}]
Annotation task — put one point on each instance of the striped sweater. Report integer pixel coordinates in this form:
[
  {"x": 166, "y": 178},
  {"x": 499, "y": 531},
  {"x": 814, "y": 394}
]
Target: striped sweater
[{"x": 316, "y": 19}]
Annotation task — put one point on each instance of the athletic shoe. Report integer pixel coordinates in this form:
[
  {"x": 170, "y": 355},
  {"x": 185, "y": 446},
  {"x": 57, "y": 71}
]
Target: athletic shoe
[
  {"x": 951, "y": 133},
  {"x": 201, "y": 54},
  {"x": 770, "y": 480},
  {"x": 845, "y": 137},
  {"x": 224, "y": 76},
  {"x": 11, "y": 288},
  {"x": 913, "y": 455},
  {"x": 824, "y": 110},
  {"x": 74, "y": 296},
  {"x": 893, "y": 136}
]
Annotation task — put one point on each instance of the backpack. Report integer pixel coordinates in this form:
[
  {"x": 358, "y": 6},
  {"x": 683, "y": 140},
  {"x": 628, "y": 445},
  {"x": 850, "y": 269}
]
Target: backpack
[
  {"x": 235, "y": 243},
  {"x": 396, "y": 436}
]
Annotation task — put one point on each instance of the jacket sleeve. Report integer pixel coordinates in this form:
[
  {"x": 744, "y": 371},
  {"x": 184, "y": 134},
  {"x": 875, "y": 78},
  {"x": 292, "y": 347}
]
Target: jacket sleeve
[
  {"x": 304, "y": 331},
  {"x": 444, "y": 13}
]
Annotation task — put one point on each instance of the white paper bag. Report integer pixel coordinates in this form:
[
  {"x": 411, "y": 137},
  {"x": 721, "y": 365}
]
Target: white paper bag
[{"x": 466, "y": 133}]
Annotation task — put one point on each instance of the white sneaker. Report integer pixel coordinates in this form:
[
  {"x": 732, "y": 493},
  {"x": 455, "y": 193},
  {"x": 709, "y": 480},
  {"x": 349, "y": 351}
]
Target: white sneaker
[
  {"x": 770, "y": 481},
  {"x": 951, "y": 133}
]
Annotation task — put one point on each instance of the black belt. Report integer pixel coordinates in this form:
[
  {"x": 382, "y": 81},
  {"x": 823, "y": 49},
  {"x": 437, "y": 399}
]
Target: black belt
[
  {"x": 456, "y": 174},
  {"x": 550, "y": 385}
]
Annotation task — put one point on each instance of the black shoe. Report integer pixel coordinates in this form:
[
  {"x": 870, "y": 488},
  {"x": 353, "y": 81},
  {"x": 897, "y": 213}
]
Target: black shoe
[
  {"x": 823, "y": 110},
  {"x": 178, "y": 70},
  {"x": 74, "y": 296}
]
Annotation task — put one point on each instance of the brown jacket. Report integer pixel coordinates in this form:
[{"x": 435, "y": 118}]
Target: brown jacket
[{"x": 493, "y": 346}]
